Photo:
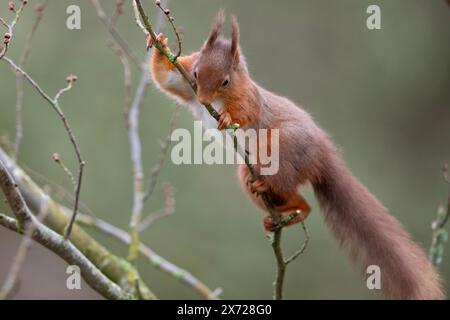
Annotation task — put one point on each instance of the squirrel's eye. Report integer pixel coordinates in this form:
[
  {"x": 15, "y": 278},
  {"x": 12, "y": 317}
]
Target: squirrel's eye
[
  {"x": 225, "y": 83},
  {"x": 195, "y": 74}
]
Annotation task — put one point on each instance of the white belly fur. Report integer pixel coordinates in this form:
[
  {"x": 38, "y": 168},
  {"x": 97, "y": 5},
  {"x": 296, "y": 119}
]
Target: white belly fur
[{"x": 201, "y": 113}]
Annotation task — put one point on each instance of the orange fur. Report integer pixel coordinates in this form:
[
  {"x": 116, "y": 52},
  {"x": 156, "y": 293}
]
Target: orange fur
[{"x": 161, "y": 67}]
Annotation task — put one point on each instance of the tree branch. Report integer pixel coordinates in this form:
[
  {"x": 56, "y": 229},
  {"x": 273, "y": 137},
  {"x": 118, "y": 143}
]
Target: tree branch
[
  {"x": 115, "y": 268},
  {"x": 118, "y": 39},
  {"x": 54, "y": 102},
  {"x": 152, "y": 257},
  {"x": 51, "y": 240},
  {"x": 440, "y": 234},
  {"x": 19, "y": 79},
  {"x": 169, "y": 208},
  {"x": 136, "y": 154},
  {"x": 8, "y": 37},
  {"x": 156, "y": 170}
]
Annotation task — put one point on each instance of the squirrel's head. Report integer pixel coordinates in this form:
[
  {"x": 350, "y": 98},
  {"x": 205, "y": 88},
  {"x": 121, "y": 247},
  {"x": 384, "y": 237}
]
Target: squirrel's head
[{"x": 219, "y": 62}]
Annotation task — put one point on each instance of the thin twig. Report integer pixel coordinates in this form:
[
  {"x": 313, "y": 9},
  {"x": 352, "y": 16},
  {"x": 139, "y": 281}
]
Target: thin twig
[
  {"x": 118, "y": 12},
  {"x": 114, "y": 267},
  {"x": 121, "y": 49},
  {"x": 137, "y": 19},
  {"x": 447, "y": 179},
  {"x": 56, "y": 189},
  {"x": 169, "y": 208},
  {"x": 10, "y": 27},
  {"x": 440, "y": 234},
  {"x": 54, "y": 102},
  {"x": 155, "y": 259},
  {"x": 174, "y": 28},
  {"x": 4, "y": 23},
  {"x": 40, "y": 8},
  {"x": 162, "y": 155},
  {"x": 56, "y": 157},
  {"x": 118, "y": 39},
  {"x": 143, "y": 20},
  {"x": 136, "y": 155},
  {"x": 303, "y": 247},
  {"x": 128, "y": 84}
]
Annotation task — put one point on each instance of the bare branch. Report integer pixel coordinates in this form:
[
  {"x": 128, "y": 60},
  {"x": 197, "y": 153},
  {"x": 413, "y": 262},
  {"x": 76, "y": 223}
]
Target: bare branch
[
  {"x": 4, "y": 23},
  {"x": 115, "y": 268},
  {"x": 56, "y": 157},
  {"x": 127, "y": 81},
  {"x": 303, "y": 247},
  {"x": 138, "y": 19},
  {"x": 70, "y": 81},
  {"x": 118, "y": 39},
  {"x": 54, "y": 102},
  {"x": 8, "y": 37},
  {"x": 169, "y": 208},
  {"x": 440, "y": 234},
  {"x": 136, "y": 155},
  {"x": 19, "y": 79},
  {"x": 162, "y": 155},
  {"x": 175, "y": 30},
  {"x": 155, "y": 259}
]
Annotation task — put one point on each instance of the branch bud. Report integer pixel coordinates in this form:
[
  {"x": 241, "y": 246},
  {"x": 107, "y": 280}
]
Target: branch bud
[
  {"x": 6, "y": 37},
  {"x": 71, "y": 78},
  {"x": 11, "y": 5},
  {"x": 120, "y": 10},
  {"x": 56, "y": 157},
  {"x": 39, "y": 8},
  {"x": 119, "y": 7}
]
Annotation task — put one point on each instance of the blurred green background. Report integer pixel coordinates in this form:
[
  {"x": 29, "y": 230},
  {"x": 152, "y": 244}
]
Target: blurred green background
[{"x": 383, "y": 95}]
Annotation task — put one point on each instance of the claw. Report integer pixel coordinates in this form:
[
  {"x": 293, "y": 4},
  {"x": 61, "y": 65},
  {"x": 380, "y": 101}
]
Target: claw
[
  {"x": 160, "y": 38},
  {"x": 269, "y": 226},
  {"x": 149, "y": 42},
  {"x": 224, "y": 121},
  {"x": 163, "y": 39}
]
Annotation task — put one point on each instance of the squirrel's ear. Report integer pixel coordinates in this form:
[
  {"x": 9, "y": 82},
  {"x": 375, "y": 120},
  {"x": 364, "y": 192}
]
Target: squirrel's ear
[
  {"x": 234, "y": 40},
  {"x": 216, "y": 28}
]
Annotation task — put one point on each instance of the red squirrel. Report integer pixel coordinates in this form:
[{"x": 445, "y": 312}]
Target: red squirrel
[{"x": 306, "y": 155}]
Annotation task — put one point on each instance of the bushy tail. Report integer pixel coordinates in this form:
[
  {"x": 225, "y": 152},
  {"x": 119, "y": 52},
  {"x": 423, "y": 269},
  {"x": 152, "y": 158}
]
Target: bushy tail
[{"x": 374, "y": 237}]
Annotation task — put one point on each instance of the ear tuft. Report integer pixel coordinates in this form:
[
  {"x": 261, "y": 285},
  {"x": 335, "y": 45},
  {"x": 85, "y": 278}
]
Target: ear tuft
[
  {"x": 234, "y": 38},
  {"x": 216, "y": 28}
]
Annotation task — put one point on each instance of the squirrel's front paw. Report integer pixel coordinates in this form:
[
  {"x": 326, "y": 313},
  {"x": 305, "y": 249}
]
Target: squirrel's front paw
[
  {"x": 161, "y": 38},
  {"x": 224, "y": 120}
]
